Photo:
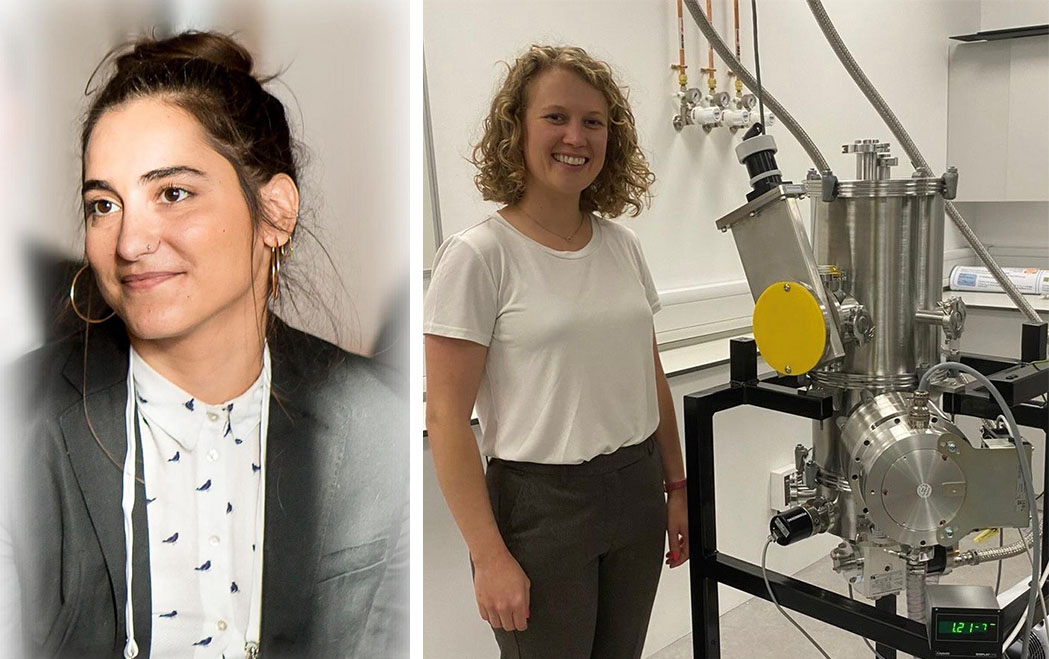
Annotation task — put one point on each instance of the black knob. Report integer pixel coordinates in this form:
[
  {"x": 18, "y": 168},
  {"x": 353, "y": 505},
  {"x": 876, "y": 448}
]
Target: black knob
[
  {"x": 757, "y": 151},
  {"x": 792, "y": 525}
]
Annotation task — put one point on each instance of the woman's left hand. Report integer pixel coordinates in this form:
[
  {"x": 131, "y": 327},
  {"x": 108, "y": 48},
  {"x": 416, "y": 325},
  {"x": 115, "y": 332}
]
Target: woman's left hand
[{"x": 677, "y": 527}]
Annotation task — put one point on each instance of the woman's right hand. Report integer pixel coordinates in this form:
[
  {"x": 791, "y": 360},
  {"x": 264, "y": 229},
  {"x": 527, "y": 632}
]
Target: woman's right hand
[
  {"x": 453, "y": 375},
  {"x": 502, "y": 591}
]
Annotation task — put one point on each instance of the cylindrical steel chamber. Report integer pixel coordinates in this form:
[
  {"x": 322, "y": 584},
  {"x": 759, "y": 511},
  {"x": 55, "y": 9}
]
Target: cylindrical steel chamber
[
  {"x": 886, "y": 239},
  {"x": 882, "y": 240}
]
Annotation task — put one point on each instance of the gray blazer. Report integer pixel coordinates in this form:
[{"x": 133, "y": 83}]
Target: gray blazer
[{"x": 335, "y": 573}]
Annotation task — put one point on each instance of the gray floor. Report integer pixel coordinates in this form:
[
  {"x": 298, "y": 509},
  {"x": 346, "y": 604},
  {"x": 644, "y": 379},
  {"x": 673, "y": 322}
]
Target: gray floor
[{"x": 757, "y": 629}]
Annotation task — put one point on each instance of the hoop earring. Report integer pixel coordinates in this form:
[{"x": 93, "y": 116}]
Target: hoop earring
[
  {"x": 277, "y": 254},
  {"x": 72, "y": 301}
]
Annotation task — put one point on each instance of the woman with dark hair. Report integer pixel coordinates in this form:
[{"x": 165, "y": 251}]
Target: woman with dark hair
[
  {"x": 542, "y": 315},
  {"x": 203, "y": 480}
]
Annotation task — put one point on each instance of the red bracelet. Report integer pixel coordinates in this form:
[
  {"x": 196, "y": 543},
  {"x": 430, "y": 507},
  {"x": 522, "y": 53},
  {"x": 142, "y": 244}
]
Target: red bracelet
[{"x": 670, "y": 486}]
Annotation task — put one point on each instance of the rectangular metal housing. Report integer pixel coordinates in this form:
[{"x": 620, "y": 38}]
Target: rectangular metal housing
[
  {"x": 773, "y": 246},
  {"x": 976, "y": 604}
]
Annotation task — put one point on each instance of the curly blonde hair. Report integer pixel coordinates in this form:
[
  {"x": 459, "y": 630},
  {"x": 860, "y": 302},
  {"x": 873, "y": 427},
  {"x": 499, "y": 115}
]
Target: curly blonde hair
[{"x": 625, "y": 178}]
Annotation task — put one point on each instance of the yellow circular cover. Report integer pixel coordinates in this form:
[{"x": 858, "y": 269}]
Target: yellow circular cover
[{"x": 789, "y": 328}]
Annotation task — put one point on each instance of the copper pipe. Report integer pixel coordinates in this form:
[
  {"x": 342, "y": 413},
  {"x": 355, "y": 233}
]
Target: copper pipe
[
  {"x": 735, "y": 25},
  {"x": 682, "y": 77},
  {"x": 711, "y": 82}
]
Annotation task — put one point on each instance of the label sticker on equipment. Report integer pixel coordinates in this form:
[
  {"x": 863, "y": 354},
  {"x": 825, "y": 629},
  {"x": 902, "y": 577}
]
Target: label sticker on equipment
[{"x": 888, "y": 582}]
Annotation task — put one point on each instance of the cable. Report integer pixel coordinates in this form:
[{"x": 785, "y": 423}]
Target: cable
[
  {"x": 768, "y": 586},
  {"x": 1041, "y": 598},
  {"x": 865, "y": 639},
  {"x": 1016, "y": 630},
  {"x": 757, "y": 65},
  {"x": 1025, "y": 472},
  {"x": 1001, "y": 543}
]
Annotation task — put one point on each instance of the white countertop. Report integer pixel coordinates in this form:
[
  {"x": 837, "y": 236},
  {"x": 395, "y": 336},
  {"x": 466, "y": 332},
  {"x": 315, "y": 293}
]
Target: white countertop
[{"x": 678, "y": 361}]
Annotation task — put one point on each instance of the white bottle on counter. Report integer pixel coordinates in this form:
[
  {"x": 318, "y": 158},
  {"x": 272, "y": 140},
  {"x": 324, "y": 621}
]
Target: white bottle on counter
[{"x": 1030, "y": 281}]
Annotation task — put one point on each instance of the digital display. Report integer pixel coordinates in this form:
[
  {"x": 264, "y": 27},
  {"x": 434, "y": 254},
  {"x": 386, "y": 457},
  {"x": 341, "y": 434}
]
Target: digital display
[{"x": 968, "y": 627}]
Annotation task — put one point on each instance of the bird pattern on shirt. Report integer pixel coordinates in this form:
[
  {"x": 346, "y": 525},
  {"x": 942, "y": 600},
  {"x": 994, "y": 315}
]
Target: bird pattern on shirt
[{"x": 213, "y": 552}]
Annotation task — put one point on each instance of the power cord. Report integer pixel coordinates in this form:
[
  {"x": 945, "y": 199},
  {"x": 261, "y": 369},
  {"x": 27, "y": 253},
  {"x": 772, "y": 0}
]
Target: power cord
[
  {"x": 1001, "y": 543},
  {"x": 1010, "y": 639},
  {"x": 772, "y": 596},
  {"x": 1041, "y": 598},
  {"x": 757, "y": 66},
  {"x": 865, "y": 639}
]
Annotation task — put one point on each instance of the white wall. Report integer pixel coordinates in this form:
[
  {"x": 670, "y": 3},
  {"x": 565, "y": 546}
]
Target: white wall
[
  {"x": 1015, "y": 232},
  {"x": 902, "y": 45},
  {"x": 344, "y": 82},
  {"x": 1001, "y": 14},
  {"x": 998, "y": 123}
]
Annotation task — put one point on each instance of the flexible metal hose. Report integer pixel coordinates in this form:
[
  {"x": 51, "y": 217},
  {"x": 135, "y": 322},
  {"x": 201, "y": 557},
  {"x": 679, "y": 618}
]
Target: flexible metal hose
[
  {"x": 916, "y": 590},
  {"x": 781, "y": 113},
  {"x": 977, "y": 556},
  {"x": 916, "y": 158}
]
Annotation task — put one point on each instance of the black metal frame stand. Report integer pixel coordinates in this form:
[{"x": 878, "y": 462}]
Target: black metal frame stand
[{"x": 709, "y": 567}]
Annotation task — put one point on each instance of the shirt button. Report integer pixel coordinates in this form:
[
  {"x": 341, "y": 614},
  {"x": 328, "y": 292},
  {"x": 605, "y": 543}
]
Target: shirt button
[
  {"x": 213, "y": 455},
  {"x": 212, "y": 416},
  {"x": 221, "y": 624},
  {"x": 214, "y": 540}
]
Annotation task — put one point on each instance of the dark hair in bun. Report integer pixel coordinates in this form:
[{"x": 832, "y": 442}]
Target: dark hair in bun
[{"x": 209, "y": 75}]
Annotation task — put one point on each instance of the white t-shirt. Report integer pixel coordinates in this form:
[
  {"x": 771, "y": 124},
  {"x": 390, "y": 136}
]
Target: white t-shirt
[{"x": 569, "y": 373}]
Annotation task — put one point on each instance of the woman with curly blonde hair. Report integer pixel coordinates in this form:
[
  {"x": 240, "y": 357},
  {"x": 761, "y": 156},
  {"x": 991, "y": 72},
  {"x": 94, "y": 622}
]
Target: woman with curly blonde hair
[{"x": 542, "y": 315}]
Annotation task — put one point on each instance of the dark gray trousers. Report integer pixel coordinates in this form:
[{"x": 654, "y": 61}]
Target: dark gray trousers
[{"x": 590, "y": 537}]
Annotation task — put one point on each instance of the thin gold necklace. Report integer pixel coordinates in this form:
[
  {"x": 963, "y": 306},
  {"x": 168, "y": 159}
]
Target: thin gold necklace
[{"x": 567, "y": 238}]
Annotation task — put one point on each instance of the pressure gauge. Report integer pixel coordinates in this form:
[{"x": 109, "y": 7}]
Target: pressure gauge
[
  {"x": 693, "y": 96},
  {"x": 722, "y": 100},
  {"x": 749, "y": 101}
]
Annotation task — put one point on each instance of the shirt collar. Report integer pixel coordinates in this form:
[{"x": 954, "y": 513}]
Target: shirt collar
[{"x": 164, "y": 405}]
